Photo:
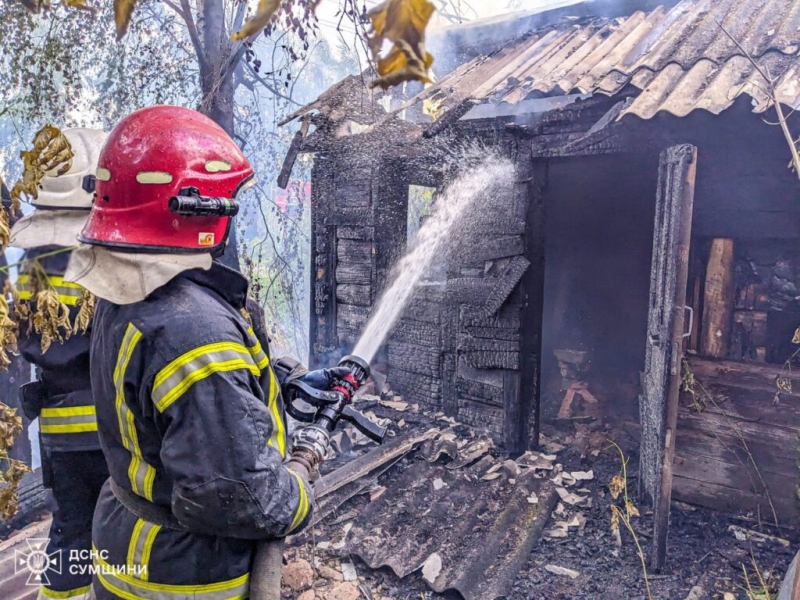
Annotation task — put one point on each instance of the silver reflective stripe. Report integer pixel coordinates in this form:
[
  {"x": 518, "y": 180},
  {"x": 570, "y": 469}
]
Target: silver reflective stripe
[
  {"x": 178, "y": 376},
  {"x": 140, "y": 547},
  {"x": 257, "y": 352},
  {"x": 69, "y": 424},
  {"x": 124, "y": 586},
  {"x": 140, "y": 473}
]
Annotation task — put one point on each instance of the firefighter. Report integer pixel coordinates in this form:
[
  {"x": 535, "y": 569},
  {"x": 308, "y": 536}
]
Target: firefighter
[
  {"x": 189, "y": 408},
  {"x": 73, "y": 465}
]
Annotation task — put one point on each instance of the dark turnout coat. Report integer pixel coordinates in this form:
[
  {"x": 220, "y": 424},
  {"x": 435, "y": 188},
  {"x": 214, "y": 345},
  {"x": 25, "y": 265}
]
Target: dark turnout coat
[
  {"x": 191, "y": 420},
  {"x": 62, "y": 397}
]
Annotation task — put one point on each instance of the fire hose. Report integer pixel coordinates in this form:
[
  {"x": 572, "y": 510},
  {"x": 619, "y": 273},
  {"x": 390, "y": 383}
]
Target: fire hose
[{"x": 310, "y": 445}]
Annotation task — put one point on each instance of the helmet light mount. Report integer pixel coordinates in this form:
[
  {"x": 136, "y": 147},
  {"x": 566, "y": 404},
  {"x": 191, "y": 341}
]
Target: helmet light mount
[{"x": 190, "y": 203}]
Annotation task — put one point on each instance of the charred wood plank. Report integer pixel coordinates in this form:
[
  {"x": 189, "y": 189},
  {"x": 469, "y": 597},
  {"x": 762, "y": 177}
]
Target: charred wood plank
[
  {"x": 351, "y": 251},
  {"x": 356, "y": 295},
  {"x": 492, "y": 249},
  {"x": 352, "y": 317},
  {"x": 719, "y": 299},
  {"x": 494, "y": 333},
  {"x": 754, "y": 376},
  {"x": 413, "y": 358},
  {"x": 473, "y": 389},
  {"x": 469, "y": 290},
  {"x": 353, "y": 232},
  {"x": 492, "y": 360},
  {"x": 291, "y": 155},
  {"x": 423, "y": 311},
  {"x": 467, "y": 343},
  {"x": 421, "y": 334},
  {"x": 354, "y": 273},
  {"x": 480, "y": 415},
  {"x": 506, "y": 284}
]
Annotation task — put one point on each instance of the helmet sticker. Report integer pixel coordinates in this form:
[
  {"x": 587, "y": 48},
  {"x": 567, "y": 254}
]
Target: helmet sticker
[
  {"x": 148, "y": 177},
  {"x": 205, "y": 239},
  {"x": 103, "y": 174}
]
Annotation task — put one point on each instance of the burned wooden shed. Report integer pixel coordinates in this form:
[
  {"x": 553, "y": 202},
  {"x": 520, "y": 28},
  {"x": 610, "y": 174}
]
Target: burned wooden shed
[{"x": 648, "y": 252}]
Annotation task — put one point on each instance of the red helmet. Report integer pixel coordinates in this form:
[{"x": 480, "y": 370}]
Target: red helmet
[{"x": 167, "y": 181}]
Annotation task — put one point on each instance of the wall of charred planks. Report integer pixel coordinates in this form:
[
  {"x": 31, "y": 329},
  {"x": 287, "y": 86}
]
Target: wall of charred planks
[{"x": 459, "y": 346}]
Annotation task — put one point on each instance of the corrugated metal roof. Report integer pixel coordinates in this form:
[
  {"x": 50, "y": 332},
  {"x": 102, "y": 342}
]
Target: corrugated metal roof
[{"x": 680, "y": 59}]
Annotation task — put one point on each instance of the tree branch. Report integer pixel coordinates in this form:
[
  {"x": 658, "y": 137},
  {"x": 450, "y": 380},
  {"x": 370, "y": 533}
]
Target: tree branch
[
  {"x": 185, "y": 12},
  {"x": 269, "y": 87},
  {"x": 773, "y": 98}
]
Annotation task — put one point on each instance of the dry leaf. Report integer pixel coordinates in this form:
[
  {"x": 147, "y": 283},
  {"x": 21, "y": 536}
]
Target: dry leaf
[
  {"x": 123, "y": 10},
  {"x": 256, "y": 24},
  {"x": 51, "y": 153},
  {"x": 632, "y": 510},
  {"x": 401, "y": 23},
  {"x": 86, "y": 304},
  {"x": 79, "y": 4},
  {"x": 784, "y": 384},
  {"x": 796, "y": 336},
  {"x": 51, "y": 318},
  {"x": 432, "y": 107},
  {"x": 617, "y": 486}
]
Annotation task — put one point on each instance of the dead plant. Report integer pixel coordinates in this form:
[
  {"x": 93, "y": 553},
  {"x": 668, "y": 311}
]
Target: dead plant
[
  {"x": 10, "y": 478},
  {"x": 623, "y": 510},
  {"x": 761, "y": 589}
]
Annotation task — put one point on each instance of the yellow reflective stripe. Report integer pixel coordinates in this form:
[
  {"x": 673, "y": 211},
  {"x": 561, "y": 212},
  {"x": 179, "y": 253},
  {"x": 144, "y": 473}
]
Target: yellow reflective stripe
[
  {"x": 137, "y": 530},
  {"x": 186, "y": 370},
  {"x": 140, "y": 547},
  {"x": 76, "y": 593},
  {"x": 140, "y": 474},
  {"x": 71, "y": 411},
  {"x": 148, "y": 549},
  {"x": 302, "y": 504},
  {"x": 74, "y": 428},
  {"x": 130, "y": 588},
  {"x": 257, "y": 352},
  {"x": 75, "y": 419},
  {"x": 278, "y": 438}
]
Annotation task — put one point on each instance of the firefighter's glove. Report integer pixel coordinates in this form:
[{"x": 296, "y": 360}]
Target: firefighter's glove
[{"x": 322, "y": 379}]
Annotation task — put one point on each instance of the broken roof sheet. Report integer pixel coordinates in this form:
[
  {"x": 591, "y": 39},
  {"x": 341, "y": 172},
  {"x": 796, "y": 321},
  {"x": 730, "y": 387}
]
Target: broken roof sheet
[
  {"x": 681, "y": 60},
  {"x": 678, "y": 59}
]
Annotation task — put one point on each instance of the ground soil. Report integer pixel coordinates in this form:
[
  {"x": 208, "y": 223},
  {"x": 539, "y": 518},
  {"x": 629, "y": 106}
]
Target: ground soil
[{"x": 703, "y": 553}]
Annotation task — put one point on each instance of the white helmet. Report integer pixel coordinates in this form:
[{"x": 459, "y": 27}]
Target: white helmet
[{"x": 64, "y": 201}]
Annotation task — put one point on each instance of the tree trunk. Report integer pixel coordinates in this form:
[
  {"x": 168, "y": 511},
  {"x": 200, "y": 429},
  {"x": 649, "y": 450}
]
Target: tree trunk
[{"x": 216, "y": 82}]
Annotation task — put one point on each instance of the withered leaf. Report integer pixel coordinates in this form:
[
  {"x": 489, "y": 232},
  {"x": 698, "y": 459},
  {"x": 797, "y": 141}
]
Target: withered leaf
[
  {"x": 617, "y": 486},
  {"x": 51, "y": 318},
  {"x": 86, "y": 305},
  {"x": 796, "y": 336},
  {"x": 79, "y": 4},
  {"x": 402, "y": 23},
  {"x": 50, "y": 152},
  {"x": 123, "y": 11},
  {"x": 255, "y": 24}
]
